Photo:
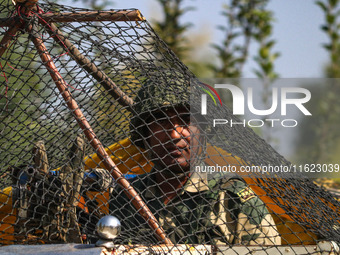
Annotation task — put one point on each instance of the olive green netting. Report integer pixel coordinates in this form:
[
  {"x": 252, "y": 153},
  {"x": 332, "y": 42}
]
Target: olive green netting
[{"x": 64, "y": 203}]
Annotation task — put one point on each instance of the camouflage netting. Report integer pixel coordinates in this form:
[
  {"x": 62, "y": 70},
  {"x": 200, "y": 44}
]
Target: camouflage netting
[{"x": 49, "y": 194}]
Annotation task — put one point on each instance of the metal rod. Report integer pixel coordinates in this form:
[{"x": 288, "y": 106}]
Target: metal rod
[
  {"x": 82, "y": 60},
  {"x": 114, "y": 16},
  {"x": 133, "y": 15},
  {"x": 94, "y": 141},
  {"x": 90, "y": 67}
]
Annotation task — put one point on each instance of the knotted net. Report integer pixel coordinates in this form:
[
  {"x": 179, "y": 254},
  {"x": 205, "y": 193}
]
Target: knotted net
[{"x": 67, "y": 71}]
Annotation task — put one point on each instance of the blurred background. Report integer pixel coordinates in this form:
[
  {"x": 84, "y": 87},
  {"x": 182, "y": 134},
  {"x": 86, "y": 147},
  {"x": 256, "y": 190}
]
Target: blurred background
[{"x": 268, "y": 40}]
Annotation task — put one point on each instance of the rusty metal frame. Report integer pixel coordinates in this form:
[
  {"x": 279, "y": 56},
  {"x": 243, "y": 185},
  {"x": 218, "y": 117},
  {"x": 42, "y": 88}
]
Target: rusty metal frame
[{"x": 109, "y": 85}]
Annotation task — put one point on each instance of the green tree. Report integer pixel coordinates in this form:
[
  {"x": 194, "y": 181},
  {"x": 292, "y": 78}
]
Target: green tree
[
  {"x": 319, "y": 137},
  {"x": 331, "y": 27},
  {"x": 171, "y": 30},
  {"x": 265, "y": 60},
  {"x": 247, "y": 23},
  {"x": 242, "y": 24}
]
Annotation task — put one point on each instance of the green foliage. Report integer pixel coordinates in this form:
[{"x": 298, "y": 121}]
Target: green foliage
[
  {"x": 329, "y": 105},
  {"x": 332, "y": 28},
  {"x": 248, "y": 22},
  {"x": 319, "y": 137},
  {"x": 170, "y": 28},
  {"x": 245, "y": 21},
  {"x": 265, "y": 60}
]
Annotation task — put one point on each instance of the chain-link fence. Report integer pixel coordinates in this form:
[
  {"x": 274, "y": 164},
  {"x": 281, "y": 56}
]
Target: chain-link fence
[{"x": 106, "y": 74}]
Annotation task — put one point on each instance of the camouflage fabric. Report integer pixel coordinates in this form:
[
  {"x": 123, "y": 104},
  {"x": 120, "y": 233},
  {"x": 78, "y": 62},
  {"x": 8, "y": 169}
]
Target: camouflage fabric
[
  {"x": 218, "y": 211},
  {"x": 171, "y": 89},
  {"x": 103, "y": 180}
]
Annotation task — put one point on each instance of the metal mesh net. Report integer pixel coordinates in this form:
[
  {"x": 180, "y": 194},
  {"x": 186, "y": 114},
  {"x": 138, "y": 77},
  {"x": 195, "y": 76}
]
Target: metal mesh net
[{"x": 67, "y": 71}]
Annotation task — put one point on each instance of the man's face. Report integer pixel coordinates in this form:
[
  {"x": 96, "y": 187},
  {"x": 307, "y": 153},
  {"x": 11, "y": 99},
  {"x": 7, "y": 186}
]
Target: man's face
[{"x": 173, "y": 139}]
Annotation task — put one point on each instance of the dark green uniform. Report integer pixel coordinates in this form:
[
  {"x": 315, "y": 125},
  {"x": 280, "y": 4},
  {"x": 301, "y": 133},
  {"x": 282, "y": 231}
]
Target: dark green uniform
[{"x": 218, "y": 211}]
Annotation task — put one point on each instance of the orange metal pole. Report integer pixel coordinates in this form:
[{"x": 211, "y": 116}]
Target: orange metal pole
[
  {"x": 89, "y": 66},
  {"x": 94, "y": 141},
  {"x": 114, "y": 16}
]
